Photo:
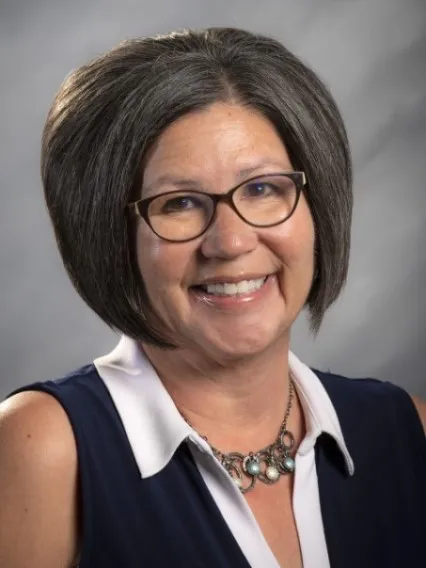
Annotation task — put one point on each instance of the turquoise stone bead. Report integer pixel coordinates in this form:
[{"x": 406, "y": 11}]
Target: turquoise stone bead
[
  {"x": 289, "y": 464},
  {"x": 253, "y": 468}
]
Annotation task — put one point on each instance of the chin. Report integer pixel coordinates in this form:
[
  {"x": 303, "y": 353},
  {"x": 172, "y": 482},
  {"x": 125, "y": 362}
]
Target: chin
[{"x": 233, "y": 344}]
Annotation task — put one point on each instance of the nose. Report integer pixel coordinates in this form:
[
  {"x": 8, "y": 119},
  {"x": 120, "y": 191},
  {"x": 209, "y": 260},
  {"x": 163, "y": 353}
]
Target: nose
[{"x": 229, "y": 236}]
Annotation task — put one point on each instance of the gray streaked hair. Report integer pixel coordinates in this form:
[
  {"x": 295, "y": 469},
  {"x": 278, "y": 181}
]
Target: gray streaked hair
[{"x": 107, "y": 115}]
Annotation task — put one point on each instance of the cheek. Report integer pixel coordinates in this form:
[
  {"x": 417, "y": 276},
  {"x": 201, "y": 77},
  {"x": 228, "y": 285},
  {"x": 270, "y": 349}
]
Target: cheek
[
  {"x": 148, "y": 248},
  {"x": 148, "y": 245},
  {"x": 161, "y": 264},
  {"x": 294, "y": 243},
  {"x": 152, "y": 264},
  {"x": 304, "y": 234}
]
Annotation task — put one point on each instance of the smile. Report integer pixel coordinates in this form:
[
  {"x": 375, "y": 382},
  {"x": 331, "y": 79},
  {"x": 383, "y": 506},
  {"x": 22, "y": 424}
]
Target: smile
[{"x": 233, "y": 288}]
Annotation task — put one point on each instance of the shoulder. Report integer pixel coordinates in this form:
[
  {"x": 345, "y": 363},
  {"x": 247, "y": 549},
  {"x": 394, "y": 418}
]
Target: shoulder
[
  {"x": 38, "y": 481},
  {"x": 380, "y": 397},
  {"x": 363, "y": 388},
  {"x": 32, "y": 417}
]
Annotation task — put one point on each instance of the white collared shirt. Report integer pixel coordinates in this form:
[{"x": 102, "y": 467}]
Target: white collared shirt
[{"x": 155, "y": 429}]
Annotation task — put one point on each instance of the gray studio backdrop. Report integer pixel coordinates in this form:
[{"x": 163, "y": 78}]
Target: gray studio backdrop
[{"x": 372, "y": 53}]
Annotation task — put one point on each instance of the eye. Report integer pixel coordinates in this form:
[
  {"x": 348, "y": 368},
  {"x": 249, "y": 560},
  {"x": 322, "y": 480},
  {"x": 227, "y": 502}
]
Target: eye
[
  {"x": 180, "y": 203},
  {"x": 259, "y": 189}
]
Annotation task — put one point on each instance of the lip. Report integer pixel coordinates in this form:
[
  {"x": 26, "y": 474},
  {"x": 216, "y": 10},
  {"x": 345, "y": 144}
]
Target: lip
[
  {"x": 239, "y": 301},
  {"x": 231, "y": 279}
]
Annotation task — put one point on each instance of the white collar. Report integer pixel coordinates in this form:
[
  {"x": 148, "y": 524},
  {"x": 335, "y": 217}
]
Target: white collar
[{"x": 154, "y": 426}]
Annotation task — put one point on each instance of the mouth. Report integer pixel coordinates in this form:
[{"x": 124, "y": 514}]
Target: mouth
[{"x": 231, "y": 289}]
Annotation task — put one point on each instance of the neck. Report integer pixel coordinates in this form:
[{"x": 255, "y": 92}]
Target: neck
[{"x": 238, "y": 405}]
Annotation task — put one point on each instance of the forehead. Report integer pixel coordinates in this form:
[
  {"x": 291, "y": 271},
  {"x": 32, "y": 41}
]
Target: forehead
[{"x": 224, "y": 142}]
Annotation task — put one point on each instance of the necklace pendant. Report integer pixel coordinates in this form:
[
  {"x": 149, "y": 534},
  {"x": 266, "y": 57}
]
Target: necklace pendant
[
  {"x": 251, "y": 465},
  {"x": 272, "y": 473},
  {"x": 288, "y": 464}
]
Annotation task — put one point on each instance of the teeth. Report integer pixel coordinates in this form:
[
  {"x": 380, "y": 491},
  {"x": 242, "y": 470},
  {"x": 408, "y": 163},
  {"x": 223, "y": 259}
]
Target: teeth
[{"x": 232, "y": 289}]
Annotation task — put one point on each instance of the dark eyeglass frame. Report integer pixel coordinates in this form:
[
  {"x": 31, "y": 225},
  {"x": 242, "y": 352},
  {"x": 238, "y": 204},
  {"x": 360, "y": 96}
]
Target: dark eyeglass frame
[{"x": 141, "y": 206}]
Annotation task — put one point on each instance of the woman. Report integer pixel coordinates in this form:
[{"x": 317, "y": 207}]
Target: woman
[{"x": 199, "y": 186}]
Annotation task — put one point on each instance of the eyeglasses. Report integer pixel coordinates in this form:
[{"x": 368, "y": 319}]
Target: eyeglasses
[{"x": 181, "y": 216}]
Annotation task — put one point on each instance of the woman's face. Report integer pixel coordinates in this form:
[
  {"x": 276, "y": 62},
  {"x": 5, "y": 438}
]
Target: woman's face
[{"x": 215, "y": 149}]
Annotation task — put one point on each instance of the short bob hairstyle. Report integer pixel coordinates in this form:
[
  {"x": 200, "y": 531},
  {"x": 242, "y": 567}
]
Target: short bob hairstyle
[{"x": 107, "y": 115}]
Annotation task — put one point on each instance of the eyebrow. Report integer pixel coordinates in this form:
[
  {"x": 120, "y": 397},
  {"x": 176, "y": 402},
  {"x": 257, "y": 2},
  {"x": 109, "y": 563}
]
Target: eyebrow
[{"x": 188, "y": 183}]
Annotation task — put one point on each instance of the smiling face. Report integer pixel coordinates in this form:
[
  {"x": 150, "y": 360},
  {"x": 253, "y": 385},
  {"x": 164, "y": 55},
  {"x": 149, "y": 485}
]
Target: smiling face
[{"x": 214, "y": 150}]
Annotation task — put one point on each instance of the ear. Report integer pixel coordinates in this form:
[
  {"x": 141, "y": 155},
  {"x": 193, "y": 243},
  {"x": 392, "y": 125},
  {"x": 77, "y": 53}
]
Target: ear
[{"x": 421, "y": 409}]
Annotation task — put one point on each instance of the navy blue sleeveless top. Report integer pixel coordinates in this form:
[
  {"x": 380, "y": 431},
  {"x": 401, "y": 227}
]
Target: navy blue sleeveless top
[{"x": 373, "y": 519}]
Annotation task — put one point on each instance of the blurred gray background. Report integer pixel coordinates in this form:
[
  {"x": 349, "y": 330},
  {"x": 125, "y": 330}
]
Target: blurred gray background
[{"x": 372, "y": 53}]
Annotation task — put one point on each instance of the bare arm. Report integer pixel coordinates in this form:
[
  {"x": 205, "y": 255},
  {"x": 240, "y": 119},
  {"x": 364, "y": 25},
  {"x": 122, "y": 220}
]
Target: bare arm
[
  {"x": 38, "y": 484},
  {"x": 421, "y": 409}
]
